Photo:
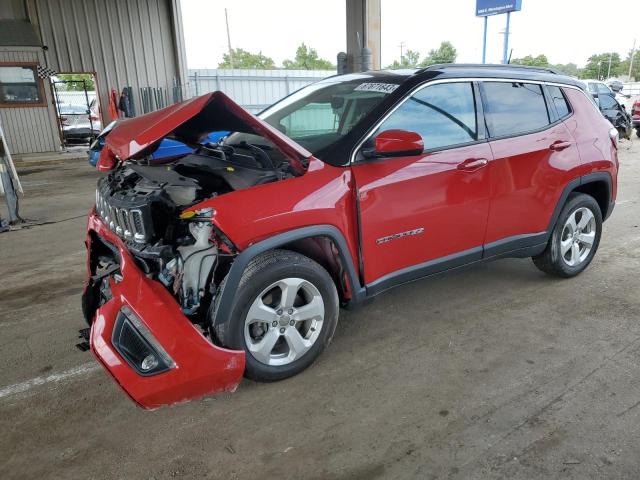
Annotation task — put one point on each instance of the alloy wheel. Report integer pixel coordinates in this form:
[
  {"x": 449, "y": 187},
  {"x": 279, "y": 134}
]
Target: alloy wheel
[
  {"x": 284, "y": 321},
  {"x": 578, "y": 235}
]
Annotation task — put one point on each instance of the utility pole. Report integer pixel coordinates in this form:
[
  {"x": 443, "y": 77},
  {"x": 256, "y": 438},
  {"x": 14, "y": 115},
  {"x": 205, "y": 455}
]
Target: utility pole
[
  {"x": 609, "y": 71},
  {"x": 633, "y": 52},
  {"x": 402, "y": 44},
  {"x": 226, "y": 19}
]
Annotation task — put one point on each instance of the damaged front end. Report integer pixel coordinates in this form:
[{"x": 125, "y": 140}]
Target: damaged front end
[{"x": 156, "y": 260}]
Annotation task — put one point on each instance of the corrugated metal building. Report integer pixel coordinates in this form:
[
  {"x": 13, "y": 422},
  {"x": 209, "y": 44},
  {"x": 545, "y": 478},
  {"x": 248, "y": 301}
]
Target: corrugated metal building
[
  {"x": 136, "y": 43},
  {"x": 253, "y": 89}
]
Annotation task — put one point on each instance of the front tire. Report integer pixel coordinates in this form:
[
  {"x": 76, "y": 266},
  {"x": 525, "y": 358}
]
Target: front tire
[
  {"x": 575, "y": 238},
  {"x": 284, "y": 314}
]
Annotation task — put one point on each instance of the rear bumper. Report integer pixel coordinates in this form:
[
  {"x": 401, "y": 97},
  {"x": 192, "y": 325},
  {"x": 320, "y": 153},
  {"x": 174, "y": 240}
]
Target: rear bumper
[{"x": 201, "y": 368}]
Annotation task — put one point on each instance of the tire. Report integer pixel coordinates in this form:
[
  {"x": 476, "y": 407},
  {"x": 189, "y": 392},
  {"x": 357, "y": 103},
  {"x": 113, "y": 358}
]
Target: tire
[
  {"x": 638, "y": 132},
  {"x": 261, "y": 300},
  {"x": 553, "y": 261}
]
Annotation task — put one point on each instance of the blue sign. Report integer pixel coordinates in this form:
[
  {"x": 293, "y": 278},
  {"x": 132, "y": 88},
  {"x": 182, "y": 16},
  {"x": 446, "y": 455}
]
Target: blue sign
[{"x": 484, "y": 8}]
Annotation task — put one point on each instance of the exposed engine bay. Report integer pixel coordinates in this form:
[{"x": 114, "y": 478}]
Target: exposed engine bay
[{"x": 142, "y": 204}]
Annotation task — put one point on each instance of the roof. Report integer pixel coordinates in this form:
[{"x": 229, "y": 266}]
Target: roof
[
  {"x": 18, "y": 33},
  {"x": 470, "y": 70}
]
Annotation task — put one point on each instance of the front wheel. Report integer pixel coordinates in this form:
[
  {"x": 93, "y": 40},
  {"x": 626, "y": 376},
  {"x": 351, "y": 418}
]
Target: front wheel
[
  {"x": 284, "y": 314},
  {"x": 575, "y": 238}
]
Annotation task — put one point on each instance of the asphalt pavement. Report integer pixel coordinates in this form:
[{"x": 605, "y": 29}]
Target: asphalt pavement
[{"x": 495, "y": 371}]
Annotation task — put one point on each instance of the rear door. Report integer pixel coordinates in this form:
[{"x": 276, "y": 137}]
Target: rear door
[
  {"x": 535, "y": 156},
  {"x": 424, "y": 213}
]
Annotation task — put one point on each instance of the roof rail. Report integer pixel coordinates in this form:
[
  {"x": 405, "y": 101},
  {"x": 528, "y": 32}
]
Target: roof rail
[{"x": 489, "y": 65}]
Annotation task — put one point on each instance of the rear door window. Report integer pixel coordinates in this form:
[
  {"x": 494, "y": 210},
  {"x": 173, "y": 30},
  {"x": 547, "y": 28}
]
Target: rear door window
[
  {"x": 513, "y": 108},
  {"x": 557, "y": 97}
]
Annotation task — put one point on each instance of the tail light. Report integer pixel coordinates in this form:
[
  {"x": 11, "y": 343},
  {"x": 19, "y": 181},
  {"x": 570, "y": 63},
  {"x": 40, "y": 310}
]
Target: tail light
[
  {"x": 636, "y": 108},
  {"x": 613, "y": 134}
]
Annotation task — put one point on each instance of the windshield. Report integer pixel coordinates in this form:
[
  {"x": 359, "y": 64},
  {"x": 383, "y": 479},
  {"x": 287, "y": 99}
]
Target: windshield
[
  {"x": 321, "y": 114},
  {"x": 73, "y": 109}
]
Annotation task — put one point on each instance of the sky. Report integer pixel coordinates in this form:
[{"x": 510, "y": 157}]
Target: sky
[{"x": 564, "y": 30}]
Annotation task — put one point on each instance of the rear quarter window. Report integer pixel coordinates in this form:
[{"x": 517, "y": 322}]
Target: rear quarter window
[
  {"x": 513, "y": 108},
  {"x": 560, "y": 102}
]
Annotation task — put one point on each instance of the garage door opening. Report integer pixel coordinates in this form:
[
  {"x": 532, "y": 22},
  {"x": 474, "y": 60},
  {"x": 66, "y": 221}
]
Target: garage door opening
[{"x": 77, "y": 108}]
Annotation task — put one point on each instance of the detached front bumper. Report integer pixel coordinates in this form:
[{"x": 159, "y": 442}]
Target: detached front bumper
[{"x": 196, "y": 367}]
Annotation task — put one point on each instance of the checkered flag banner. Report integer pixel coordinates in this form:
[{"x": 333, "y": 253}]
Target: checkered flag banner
[{"x": 45, "y": 72}]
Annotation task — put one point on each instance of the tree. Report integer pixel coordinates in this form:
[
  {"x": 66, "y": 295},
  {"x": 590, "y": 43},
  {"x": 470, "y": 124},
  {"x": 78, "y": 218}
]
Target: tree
[
  {"x": 410, "y": 59},
  {"x": 307, "y": 59},
  {"x": 445, "y": 53},
  {"x": 598, "y": 65},
  {"x": 531, "y": 61},
  {"x": 570, "y": 69},
  {"x": 77, "y": 77},
  {"x": 239, "y": 58}
]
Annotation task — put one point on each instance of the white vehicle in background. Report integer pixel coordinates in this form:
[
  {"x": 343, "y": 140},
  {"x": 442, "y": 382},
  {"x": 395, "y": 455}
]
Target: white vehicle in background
[{"x": 597, "y": 87}]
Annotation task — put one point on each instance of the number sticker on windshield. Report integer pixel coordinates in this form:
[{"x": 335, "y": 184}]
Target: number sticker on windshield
[{"x": 376, "y": 87}]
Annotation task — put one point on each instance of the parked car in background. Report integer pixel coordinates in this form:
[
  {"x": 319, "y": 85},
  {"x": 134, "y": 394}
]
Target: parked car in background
[
  {"x": 596, "y": 88},
  {"x": 80, "y": 124},
  {"x": 235, "y": 259},
  {"x": 607, "y": 102},
  {"x": 617, "y": 114},
  {"x": 635, "y": 116},
  {"x": 167, "y": 149},
  {"x": 616, "y": 86}
]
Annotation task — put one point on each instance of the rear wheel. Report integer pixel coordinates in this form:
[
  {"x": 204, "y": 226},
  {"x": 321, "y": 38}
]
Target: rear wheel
[
  {"x": 575, "y": 238},
  {"x": 284, "y": 314}
]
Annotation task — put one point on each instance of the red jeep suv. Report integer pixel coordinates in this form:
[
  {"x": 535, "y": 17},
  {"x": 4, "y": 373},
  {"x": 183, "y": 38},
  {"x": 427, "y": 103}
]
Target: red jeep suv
[{"x": 235, "y": 259}]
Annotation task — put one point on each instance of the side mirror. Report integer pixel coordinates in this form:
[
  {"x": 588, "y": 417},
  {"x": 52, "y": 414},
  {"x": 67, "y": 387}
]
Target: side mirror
[{"x": 395, "y": 143}]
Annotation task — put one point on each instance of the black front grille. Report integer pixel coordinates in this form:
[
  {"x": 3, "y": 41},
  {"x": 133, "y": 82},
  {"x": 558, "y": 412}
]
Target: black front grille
[{"x": 129, "y": 218}]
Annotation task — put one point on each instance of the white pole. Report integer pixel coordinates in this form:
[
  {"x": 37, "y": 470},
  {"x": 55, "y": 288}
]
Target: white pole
[
  {"x": 9, "y": 160},
  {"x": 7, "y": 175}
]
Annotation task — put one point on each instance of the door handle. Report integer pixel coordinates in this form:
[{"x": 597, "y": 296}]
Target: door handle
[
  {"x": 559, "y": 145},
  {"x": 473, "y": 164}
]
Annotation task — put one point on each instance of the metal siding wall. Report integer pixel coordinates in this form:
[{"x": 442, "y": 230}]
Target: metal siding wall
[
  {"x": 28, "y": 130},
  {"x": 125, "y": 42},
  {"x": 253, "y": 89}
]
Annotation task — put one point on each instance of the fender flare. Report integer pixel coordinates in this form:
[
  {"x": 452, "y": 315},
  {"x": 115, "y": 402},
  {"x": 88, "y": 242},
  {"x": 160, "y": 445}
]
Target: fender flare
[
  {"x": 571, "y": 186},
  {"x": 241, "y": 262}
]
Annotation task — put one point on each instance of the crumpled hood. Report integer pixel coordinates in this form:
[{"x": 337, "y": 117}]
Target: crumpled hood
[{"x": 189, "y": 121}]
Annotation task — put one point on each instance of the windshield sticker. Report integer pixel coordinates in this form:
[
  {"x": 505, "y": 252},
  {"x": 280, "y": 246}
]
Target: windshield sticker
[{"x": 376, "y": 87}]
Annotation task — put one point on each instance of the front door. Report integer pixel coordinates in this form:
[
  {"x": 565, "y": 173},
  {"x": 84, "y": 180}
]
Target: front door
[{"x": 424, "y": 213}]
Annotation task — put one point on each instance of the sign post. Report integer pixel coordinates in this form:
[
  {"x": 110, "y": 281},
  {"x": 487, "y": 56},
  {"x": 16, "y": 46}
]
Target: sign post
[{"x": 486, "y": 8}]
